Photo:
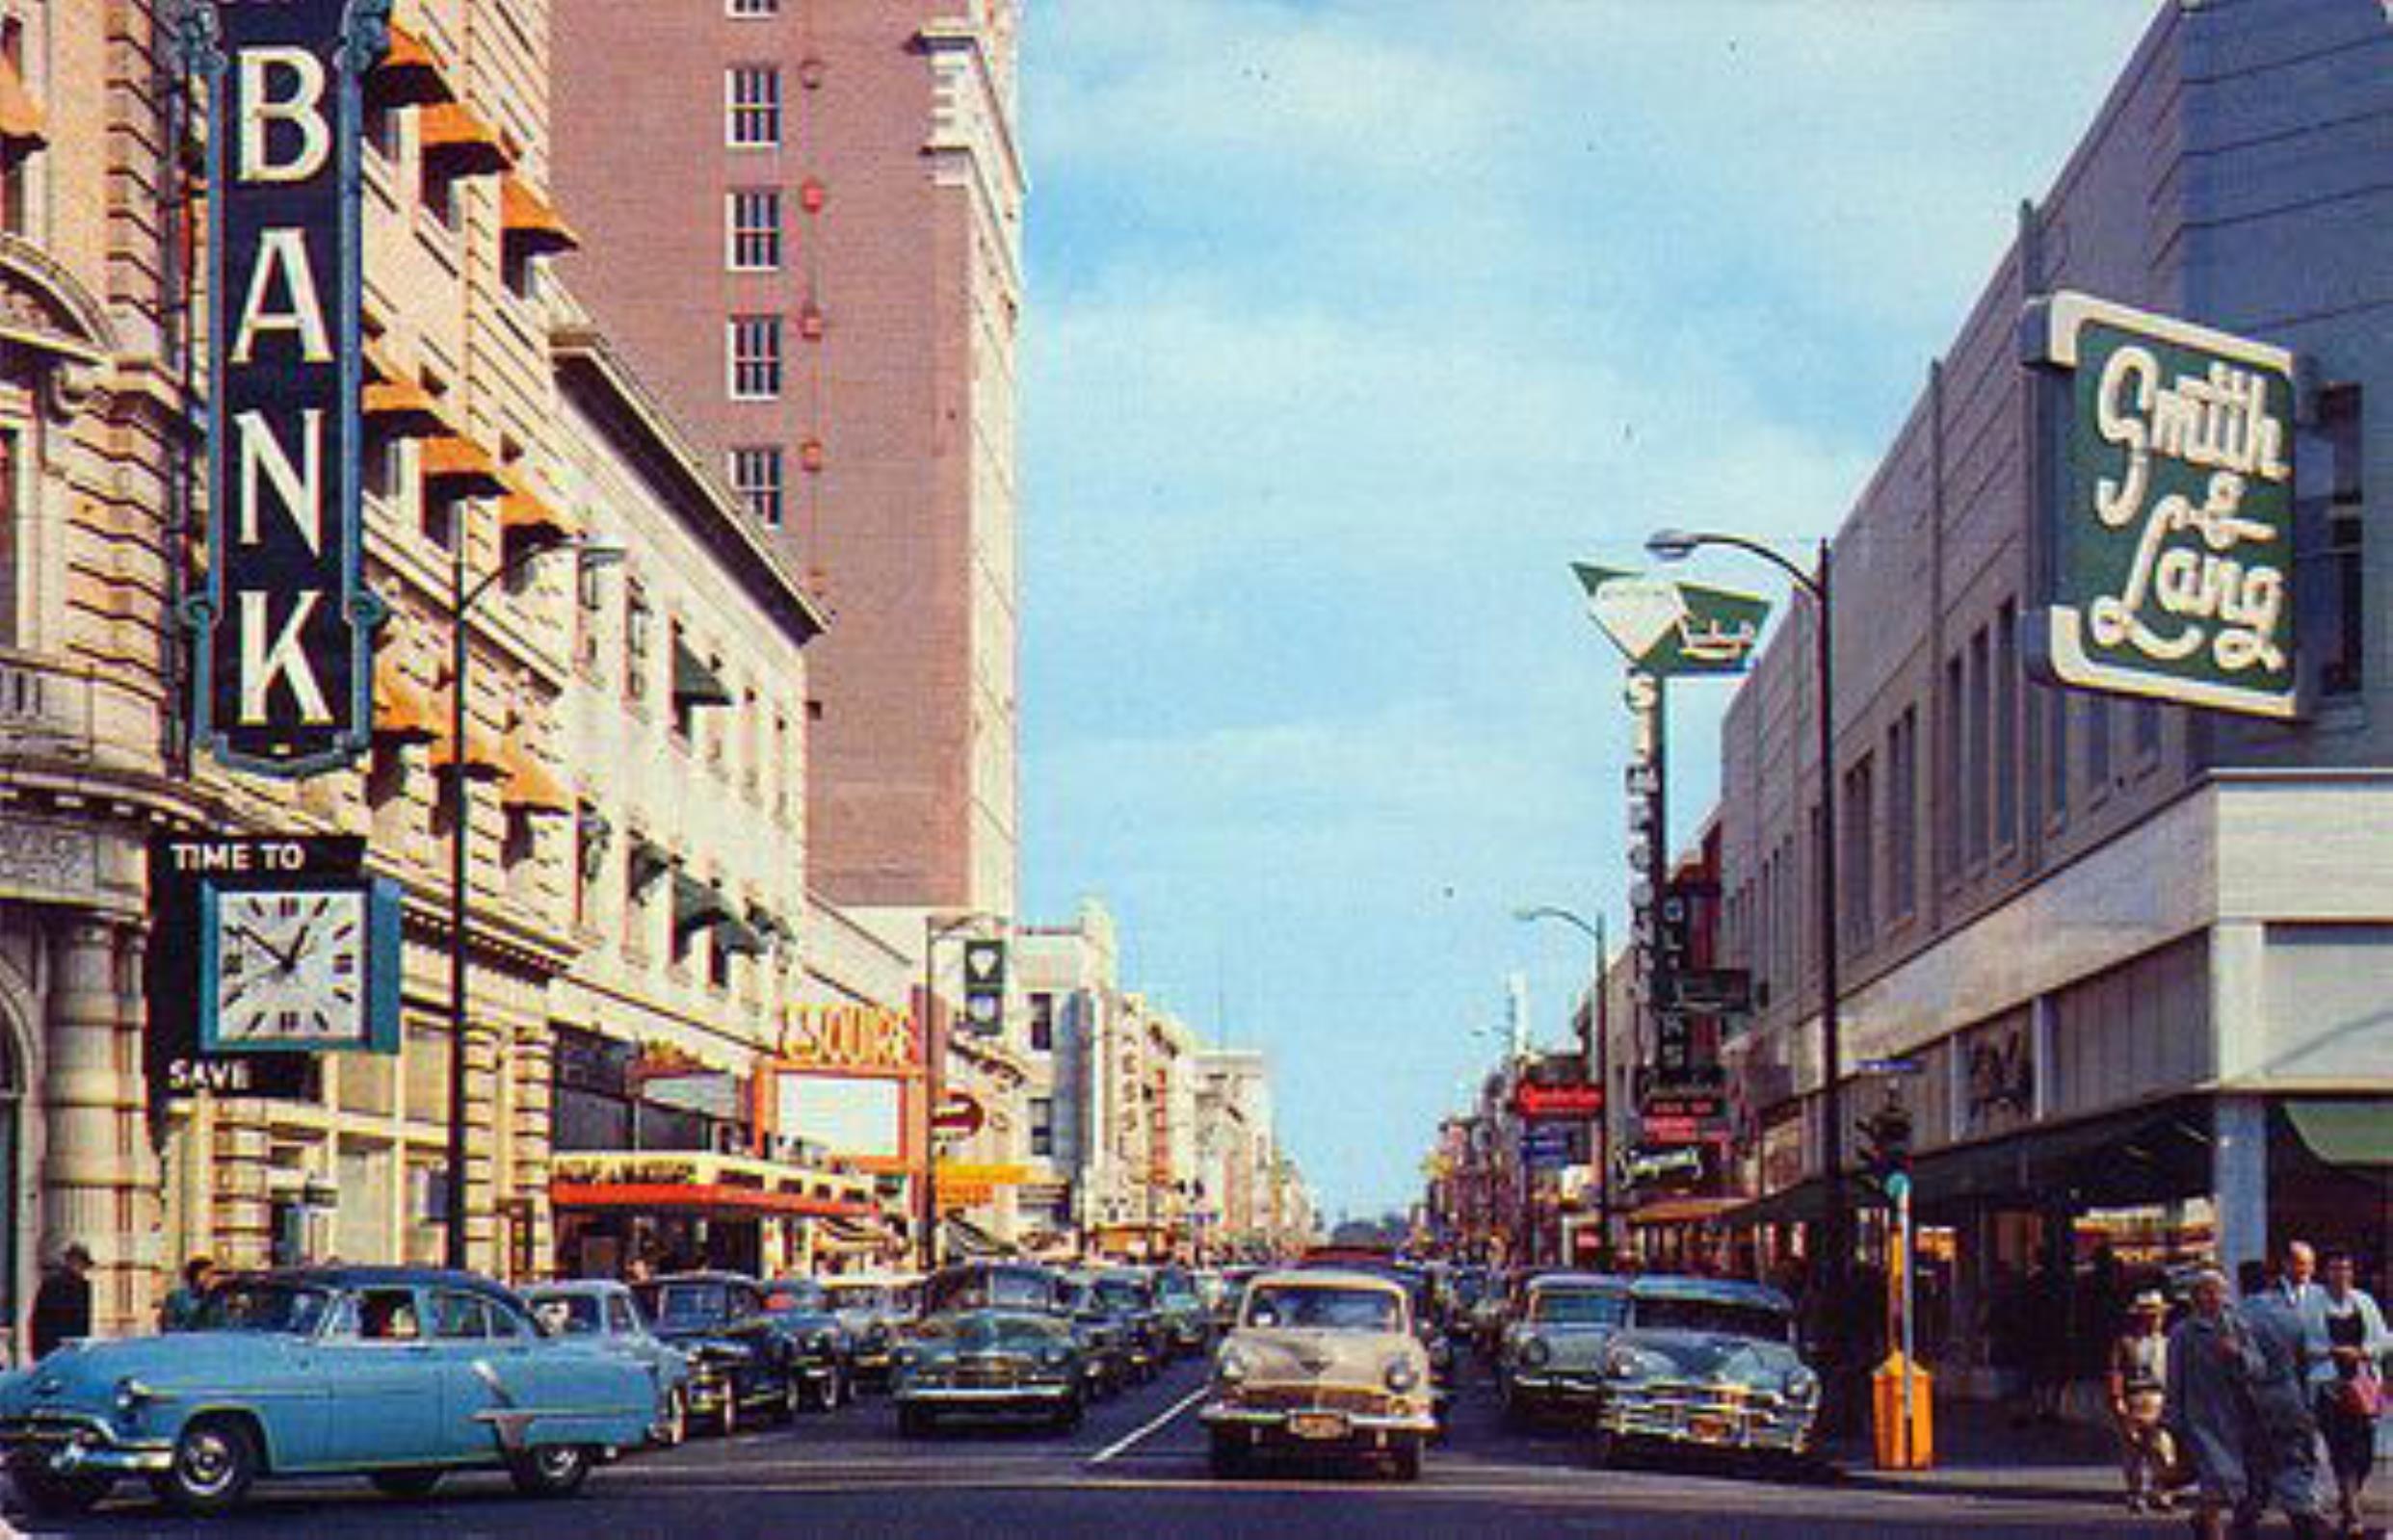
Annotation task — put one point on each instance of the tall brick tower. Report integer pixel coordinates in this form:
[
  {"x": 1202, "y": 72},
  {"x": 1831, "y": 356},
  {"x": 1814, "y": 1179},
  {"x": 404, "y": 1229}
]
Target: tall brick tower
[{"x": 802, "y": 220}]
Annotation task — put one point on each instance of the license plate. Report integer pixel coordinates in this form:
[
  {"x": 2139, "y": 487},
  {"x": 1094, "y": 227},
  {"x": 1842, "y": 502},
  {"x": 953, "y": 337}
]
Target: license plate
[
  {"x": 1317, "y": 1426},
  {"x": 1708, "y": 1429}
]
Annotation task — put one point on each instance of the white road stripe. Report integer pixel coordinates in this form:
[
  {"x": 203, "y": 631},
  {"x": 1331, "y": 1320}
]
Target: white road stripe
[{"x": 1124, "y": 1445}]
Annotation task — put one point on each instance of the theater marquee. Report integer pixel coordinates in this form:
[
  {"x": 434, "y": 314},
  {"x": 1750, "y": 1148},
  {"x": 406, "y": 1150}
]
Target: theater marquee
[
  {"x": 283, "y": 671},
  {"x": 2167, "y": 538}
]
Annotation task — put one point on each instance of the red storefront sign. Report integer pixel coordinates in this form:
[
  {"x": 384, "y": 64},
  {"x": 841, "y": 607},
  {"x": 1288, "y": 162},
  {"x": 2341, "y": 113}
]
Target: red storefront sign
[{"x": 1576, "y": 1101}]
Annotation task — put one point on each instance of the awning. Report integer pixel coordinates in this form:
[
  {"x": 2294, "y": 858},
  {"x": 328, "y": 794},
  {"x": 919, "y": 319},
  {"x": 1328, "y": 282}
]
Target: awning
[
  {"x": 1804, "y": 1203},
  {"x": 402, "y": 408},
  {"x": 701, "y": 1198},
  {"x": 2141, "y": 1155},
  {"x": 968, "y": 1239},
  {"x": 526, "y": 515},
  {"x": 409, "y": 75},
  {"x": 457, "y": 142},
  {"x": 480, "y": 763},
  {"x": 463, "y": 467},
  {"x": 402, "y": 713},
  {"x": 737, "y": 936},
  {"x": 838, "y": 1233},
  {"x": 698, "y": 905},
  {"x": 2353, "y": 1132},
  {"x": 1683, "y": 1211},
  {"x": 695, "y": 681},
  {"x": 531, "y": 786},
  {"x": 649, "y": 861},
  {"x": 23, "y": 128},
  {"x": 529, "y": 222}
]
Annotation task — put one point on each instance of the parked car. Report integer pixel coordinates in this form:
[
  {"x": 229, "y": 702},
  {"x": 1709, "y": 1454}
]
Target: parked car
[
  {"x": 990, "y": 1361},
  {"x": 874, "y": 1310},
  {"x": 400, "y": 1374},
  {"x": 1552, "y": 1358},
  {"x": 1184, "y": 1324},
  {"x": 1323, "y": 1362},
  {"x": 742, "y": 1361},
  {"x": 1104, "y": 1336},
  {"x": 1707, "y": 1363},
  {"x": 1130, "y": 1295},
  {"x": 826, "y": 1352},
  {"x": 1223, "y": 1291},
  {"x": 607, "y": 1314}
]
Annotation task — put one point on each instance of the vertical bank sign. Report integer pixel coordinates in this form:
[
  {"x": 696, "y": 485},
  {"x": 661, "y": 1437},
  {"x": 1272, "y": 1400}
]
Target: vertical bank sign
[
  {"x": 2169, "y": 547},
  {"x": 284, "y": 672}
]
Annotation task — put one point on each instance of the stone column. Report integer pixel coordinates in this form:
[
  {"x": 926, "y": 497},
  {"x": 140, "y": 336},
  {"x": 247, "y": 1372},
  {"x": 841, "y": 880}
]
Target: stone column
[
  {"x": 2239, "y": 1178},
  {"x": 533, "y": 1130},
  {"x": 94, "y": 1188}
]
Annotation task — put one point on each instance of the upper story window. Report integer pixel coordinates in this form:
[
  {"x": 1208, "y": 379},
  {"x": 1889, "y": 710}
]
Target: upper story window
[
  {"x": 757, "y": 476},
  {"x": 20, "y": 133},
  {"x": 753, "y": 107},
  {"x": 638, "y": 643},
  {"x": 1042, "y": 1024},
  {"x": 752, "y": 8},
  {"x": 755, "y": 348},
  {"x": 754, "y": 215}
]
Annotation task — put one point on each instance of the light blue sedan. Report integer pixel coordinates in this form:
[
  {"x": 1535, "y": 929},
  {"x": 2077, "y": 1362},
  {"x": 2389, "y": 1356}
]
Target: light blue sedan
[{"x": 401, "y": 1374}]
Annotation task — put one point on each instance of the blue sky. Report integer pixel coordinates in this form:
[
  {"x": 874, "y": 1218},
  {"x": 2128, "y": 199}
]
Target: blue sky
[{"x": 1351, "y": 324}]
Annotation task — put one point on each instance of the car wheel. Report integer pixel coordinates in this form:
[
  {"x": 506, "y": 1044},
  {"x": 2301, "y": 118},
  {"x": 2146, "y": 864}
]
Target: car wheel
[
  {"x": 1405, "y": 1461},
  {"x": 415, "y": 1483},
  {"x": 1228, "y": 1457},
  {"x": 676, "y": 1423},
  {"x": 52, "y": 1496},
  {"x": 555, "y": 1471},
  {"x": 913, "y": 1422},
  {"x": 793, "y": 1397},
  {"x": 212, "y": 1466},
  {"x": 834, "y": 1393}
]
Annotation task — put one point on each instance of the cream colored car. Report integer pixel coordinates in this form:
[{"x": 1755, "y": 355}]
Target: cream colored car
[{"x": 1320, "y": 1362}]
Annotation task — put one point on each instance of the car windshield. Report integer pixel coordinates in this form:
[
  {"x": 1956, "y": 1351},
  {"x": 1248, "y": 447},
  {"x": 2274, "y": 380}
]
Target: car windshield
[
  {"x": 691, "y": 1304},
  {"x": 984, "y": 1290},
  {"x": 1311, "y": 1307},
  {"x": 251, "y": 1305},
  {"x": 567, "y": 1315},
  {"x": 1721, "y": 1317},
  {"x": 1578, "y": 1307},
  {"x": 857, "y": 1296},
  {"x": 983, "y": 1333},
  {"x": 1122, "y": 1293},
  {"x": 794, "y": 1293}
]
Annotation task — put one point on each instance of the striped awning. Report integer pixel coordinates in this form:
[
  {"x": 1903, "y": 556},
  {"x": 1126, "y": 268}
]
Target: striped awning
[
  {"x": 460, "y": 466},
  {"x": 402, "y": 713},
  {"x": 530, "y": 221},
  {"x": 23, "y": 125},
  {"x": 458, "y": 142},
  {"x": 409, "y": 75},
  {"x": 532, "y": 786}
]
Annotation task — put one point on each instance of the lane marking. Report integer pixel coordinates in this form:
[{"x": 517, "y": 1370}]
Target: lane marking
[{"x": 1127, "y": 1443}]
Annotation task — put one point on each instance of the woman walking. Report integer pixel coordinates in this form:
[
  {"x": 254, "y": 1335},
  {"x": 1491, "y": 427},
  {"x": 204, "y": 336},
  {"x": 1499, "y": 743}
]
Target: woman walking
[
  {"x": 2349, "y": 1386},
  {"x": 2139, "y": 1379},
  {"x": 2207, "y": 1405}
]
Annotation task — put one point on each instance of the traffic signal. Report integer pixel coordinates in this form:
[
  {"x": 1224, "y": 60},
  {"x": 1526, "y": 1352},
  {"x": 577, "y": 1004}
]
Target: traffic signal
[{"x": 1884, "y": 1149}]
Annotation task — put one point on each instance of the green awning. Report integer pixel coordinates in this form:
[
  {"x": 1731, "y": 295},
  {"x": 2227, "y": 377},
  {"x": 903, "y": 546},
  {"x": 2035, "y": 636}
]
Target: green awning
[
  {"x": 2345, "y": 1133},
  {"x": 696, "y": 682},
  {"x": 696, "y": 905},
  {"x": 735, "y": 935}
]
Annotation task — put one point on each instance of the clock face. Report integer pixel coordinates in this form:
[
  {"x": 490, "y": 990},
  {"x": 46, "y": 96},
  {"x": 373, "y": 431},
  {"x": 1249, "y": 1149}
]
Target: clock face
[{"x": 290, "y": 968}]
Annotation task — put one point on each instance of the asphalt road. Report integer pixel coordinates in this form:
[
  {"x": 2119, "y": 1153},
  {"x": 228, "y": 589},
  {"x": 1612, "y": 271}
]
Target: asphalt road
[{"x": 1137, "y": 1467}]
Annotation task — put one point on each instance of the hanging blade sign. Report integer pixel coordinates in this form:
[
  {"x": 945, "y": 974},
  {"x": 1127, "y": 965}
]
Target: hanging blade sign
[{"x": 284, "y": 673}]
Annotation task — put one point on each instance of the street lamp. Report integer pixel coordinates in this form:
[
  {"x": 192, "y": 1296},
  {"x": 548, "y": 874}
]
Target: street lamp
[
  {"x": 1675, "y": 545},
  {"x": 1600, "y": 1055},
  {"x": 590, "y": 554},
  {"x": 936, "y": 928}
]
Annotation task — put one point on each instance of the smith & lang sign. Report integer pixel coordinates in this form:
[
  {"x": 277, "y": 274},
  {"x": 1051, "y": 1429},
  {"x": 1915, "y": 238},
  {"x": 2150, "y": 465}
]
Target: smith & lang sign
[
  {"x": 284, "y": 630},
  {"x": 2168, "y": 541}
]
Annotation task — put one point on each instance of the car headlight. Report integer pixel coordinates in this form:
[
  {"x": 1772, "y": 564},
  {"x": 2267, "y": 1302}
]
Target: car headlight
[
  {"x": 1231, "y": 1367},
  {"x": 132, "y": 1396},
  {"x": 1056, "y": 1357},
  {"x": 1802, "y": 1384},
  {"x": 1536, "y": 1353},
  {"x": 1402, "y": 1376}
]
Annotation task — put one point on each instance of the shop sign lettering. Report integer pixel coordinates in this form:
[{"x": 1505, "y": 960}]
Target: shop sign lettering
[
  {"x": 2170, "y": 535},
  {"x": 849, "y": 1038}
]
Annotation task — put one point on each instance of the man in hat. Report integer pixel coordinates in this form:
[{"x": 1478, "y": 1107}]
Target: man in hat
[
  {"x": 62, "y": 1307},
  {"x": 2139, "y": 1383}
]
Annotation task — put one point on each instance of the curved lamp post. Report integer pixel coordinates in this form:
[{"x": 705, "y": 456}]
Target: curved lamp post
[
  {"x": 590, "y": 554},
  {"x": 1599, "y": 1058},
  {"x": 1676, "y": 545}
]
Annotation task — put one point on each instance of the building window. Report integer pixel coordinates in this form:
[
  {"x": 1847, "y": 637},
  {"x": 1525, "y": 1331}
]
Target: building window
[
  {"x": 1859, "y": 819},
  {"x": 638, "y": 643},
  {"x": 1982, "y": 771},
  {"x": 2097, "y": 745},
  {"x": 1042, "y": 1024},
  {"x": 2147, "y": 731},
  {"x": 15, "y": 154},
  {"x": 2056, "y": 755},
  {"x": 753, "y": 8},
  {"x": 2005, "y": 766},
  {"x": 755, "y": 215},
  {"x": 2340, "y": 626},
  {"x": 756, "y": 475},
  {"x": 753, "y": 97},
  {"x": 755, "y": 357},
  {"x": 1043, "y": 1126},
  {"x": 1950, "y": 783},
  {"x": 1902, "y": 812}
]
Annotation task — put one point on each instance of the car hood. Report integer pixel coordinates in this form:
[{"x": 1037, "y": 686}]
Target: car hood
[
  {"x": 1715, "y": 1357},
  {"x": 86, "y": 1373},
  {"x": 1307, "y": 1355},
  {"x": 1570, "y": 1345}
]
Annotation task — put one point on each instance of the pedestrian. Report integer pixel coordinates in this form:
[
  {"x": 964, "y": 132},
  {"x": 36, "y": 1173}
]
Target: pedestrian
[
  {"x": 2347, "y": 1385},
  {"x": 2297, "y": 1274},
  {"x": 2206, "y": 1403},
  {"x": 2139, "y": 1381},
  {"x": 62, "y": 1307},
  {"x": 2050, "y": 1341},
  {"x": 181, "y": 1309},
  {"x": 2282, "y": 1461}
]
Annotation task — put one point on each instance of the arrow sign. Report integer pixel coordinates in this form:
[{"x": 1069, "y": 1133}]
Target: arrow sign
[{"x": 959, "y": 1115}]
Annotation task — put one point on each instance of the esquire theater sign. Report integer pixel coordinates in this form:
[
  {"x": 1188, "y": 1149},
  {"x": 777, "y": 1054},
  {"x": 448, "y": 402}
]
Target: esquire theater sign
[
  {"x": 283, "y": 671},
  {"x": 2167, "y": 548}
]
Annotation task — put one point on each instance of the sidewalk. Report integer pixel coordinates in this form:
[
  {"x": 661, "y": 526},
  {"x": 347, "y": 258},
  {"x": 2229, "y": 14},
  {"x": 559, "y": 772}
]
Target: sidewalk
[{"x": 1979, "y": 1453}]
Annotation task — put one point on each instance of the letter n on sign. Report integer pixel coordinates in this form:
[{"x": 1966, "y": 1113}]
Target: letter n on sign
[{"x": 284, "y": 632}]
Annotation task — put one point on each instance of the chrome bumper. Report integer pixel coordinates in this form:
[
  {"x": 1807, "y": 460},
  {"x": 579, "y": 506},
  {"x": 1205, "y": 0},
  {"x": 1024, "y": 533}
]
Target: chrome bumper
[
  {"x": 1037, "y": 1391},
  {"x": 82, "y": 1447},
  {"x": 1277, "y": 1420},
  {"x": 1558, "y": 1387},
  {"x": 1776, "y": 1431}
]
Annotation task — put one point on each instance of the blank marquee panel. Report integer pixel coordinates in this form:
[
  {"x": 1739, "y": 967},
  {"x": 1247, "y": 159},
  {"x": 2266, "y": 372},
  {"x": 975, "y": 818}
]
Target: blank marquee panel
[{"x": 846, "y": 1115}]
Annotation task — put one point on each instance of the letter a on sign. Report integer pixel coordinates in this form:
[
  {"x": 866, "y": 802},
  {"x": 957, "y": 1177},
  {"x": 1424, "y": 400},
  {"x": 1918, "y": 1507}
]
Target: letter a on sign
[{"x": 283, "y": 633}]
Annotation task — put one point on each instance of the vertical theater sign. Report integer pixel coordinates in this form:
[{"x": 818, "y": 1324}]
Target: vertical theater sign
[
  {"x": 2168, "y": 554},
  {"x": 284, "y": 626}
]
